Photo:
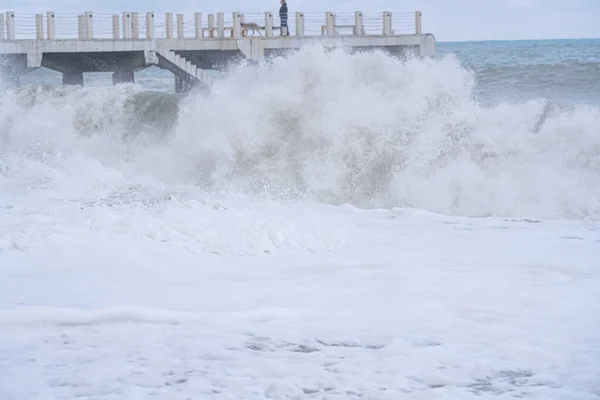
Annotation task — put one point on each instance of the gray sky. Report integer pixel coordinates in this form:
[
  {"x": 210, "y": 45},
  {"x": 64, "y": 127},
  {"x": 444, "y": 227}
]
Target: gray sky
[{"x": 449, "y": 20}]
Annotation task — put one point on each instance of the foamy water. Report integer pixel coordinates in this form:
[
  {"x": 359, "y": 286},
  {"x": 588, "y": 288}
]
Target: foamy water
[
  {"x": 365, "y": 129},
  {"x": 304, "y": 230}
]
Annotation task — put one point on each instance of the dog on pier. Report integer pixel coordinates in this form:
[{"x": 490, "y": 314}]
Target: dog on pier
[{"x": 246, "y": 26}]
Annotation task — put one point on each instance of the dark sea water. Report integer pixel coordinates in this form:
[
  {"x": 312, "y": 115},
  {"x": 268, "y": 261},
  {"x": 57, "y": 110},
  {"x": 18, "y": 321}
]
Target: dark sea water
[{"x": 559, "y": 71}]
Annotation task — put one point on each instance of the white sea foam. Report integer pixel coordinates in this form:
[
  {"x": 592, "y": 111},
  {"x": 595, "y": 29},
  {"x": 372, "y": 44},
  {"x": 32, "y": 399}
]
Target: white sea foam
[{"x": 365, "y": 129}]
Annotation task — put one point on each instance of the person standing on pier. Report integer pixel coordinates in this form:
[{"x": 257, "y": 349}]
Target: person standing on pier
[{"x": 283, "y": 16}]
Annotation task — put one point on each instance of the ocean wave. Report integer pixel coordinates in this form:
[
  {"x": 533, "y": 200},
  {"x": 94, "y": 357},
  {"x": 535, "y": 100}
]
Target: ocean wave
[{"x": 365, "y": 129}]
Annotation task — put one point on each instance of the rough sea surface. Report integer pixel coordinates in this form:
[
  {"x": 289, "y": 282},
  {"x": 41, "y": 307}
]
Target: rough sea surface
[{"x": 327, "y": 226}]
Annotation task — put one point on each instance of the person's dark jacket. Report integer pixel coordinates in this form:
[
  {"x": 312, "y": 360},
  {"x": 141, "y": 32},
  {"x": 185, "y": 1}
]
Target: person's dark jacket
[{"x": 283, "y": 14}]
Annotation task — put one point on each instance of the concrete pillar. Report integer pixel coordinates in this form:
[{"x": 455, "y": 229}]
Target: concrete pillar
[
  {"x": 169, "y": 25},
  {"x": 126, "y": 25},
  {"x": 73, "y": 78},
  {"x": 299, "y": 24},
  {"x": 237, "y": 25},
  {"x": 123, "y": 76},
  {"x": 180, "y": 26},
  {"x": 81, "y": 27},
  {"x": 135, "y": 25},
  {"x": 358, "y": 23},
  {"x": 182, "y": 85},
  {"x": 198, "y": 25},
  {"x": 89, "y": 26},
  {"x": 150, "y": 25},
  {"x": 387, "y": 23},
  {"x": 115, "y": 27},
  {"x": 329, "y": 23},
  {"x": 2, "y": 27},
  {"x": 51, "y": 25},
  {"x": 220, "y": 24},
  {"x": 10, "y": 25},
  {"x": 268, "y": 24},
  {"x": 211, "y": 25},
  {"x": 418, "y": 23},
  {"x": 39, "y": 26}
]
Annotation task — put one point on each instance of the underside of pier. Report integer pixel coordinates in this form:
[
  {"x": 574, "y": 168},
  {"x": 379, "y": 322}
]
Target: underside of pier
[{"x": 188, "y": 65}]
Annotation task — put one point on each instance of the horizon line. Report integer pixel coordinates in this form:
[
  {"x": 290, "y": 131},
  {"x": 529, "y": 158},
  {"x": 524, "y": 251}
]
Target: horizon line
[{"x": 513, "y": 40}]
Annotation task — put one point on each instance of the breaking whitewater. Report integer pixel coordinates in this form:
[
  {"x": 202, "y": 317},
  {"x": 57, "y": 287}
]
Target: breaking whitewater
[{"x": 327, "y": 226}]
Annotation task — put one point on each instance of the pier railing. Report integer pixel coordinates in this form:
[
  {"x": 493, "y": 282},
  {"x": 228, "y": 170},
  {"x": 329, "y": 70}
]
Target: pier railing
[{"x": 144, "y": 26}]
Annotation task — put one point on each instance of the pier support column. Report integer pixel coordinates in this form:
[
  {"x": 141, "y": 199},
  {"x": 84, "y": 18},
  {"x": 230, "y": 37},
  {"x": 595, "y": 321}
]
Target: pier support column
[
  {"x": 126, "y": 25},
  {"x": 211, "y": 25},
  {"x": 198, "y": 25},
  {"x": 179, "y": 26},
  {"x": 329, "y": 23},
  {"x": 89, "y": 25},
  {"x": 418, "y": 23},
  {"x": 135, "y": 26},
  {"x": 115, "y": 27},
  {"x": 387, "y": 23},
  {"x": 268, "y": 24},
  {"x": 10, "y": 25},
  {"x": 39, "y": 26},
  {"x": 169, "y": 25},
  {"x": 50, "y": 25},
  {"x": 220, "y": 24},
  {"x": 299, "y": 24},
  {"x": 2, "y": 27},
  {"x": 182, "y": 85},
  {"x": 73, "y": 78},
  {"x": 237, "y": 25},
  {"x": 123, "y": 76},
  {"x": 359, "y": 29},
  {"x": 150, "y": 25}
]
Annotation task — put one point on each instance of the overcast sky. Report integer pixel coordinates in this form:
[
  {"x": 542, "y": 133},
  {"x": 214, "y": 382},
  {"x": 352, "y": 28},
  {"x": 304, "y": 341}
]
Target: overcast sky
[{"x": 449, "y": 20}]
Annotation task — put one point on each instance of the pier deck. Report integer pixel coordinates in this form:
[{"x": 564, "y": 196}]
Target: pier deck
[{"x": 127, "y": 42}]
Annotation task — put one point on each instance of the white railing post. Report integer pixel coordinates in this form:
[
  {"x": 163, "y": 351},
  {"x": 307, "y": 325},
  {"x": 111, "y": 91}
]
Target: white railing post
[
  {"x": 126, "y": 25},
  {"x": 81, "y": 27},
  {"x": 39, "y": 26},
  {"x": 268, "y": 24},
  {"x": 299, "y": 24},
  {"x": 115, "y": 27},
  {"x": 211, "y": 25},
  {"x": 179, "y": 26},
  {"x": 89, "y": 25},
  {"x": 329, "y": 23},
  {"x": 198, "y": 24},
  {"x": 237, "y": 25},
  {"x": 10, "y": 25},
  {"x": 220, "y": 24},
  {"x": 135, "y": 25},
  {"x": 387, "y": 23},
  {"x": 2, "y": 27},
  {"x": 358, "y": 23},
  {"x": 169, "y": 25},
  {"x": 418, "y": 23},
  {"x": 50, "y": 25},
  {"x": 150, "y": 25}
]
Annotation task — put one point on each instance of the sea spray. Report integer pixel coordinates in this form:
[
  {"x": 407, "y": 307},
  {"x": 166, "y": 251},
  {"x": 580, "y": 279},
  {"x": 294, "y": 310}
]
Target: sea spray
[{"x": 331, "y": 127}]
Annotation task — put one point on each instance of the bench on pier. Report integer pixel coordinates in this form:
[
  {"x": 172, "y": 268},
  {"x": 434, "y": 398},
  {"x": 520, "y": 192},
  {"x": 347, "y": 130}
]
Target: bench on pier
[{"x": 245, "y": 27}]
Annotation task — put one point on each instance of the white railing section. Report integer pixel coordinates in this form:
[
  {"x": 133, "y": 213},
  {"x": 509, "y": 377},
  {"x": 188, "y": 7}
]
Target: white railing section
[{"x": 148, "y": 25}]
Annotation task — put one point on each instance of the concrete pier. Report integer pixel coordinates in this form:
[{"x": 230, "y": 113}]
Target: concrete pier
[{"x": 129, "y": 41}]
